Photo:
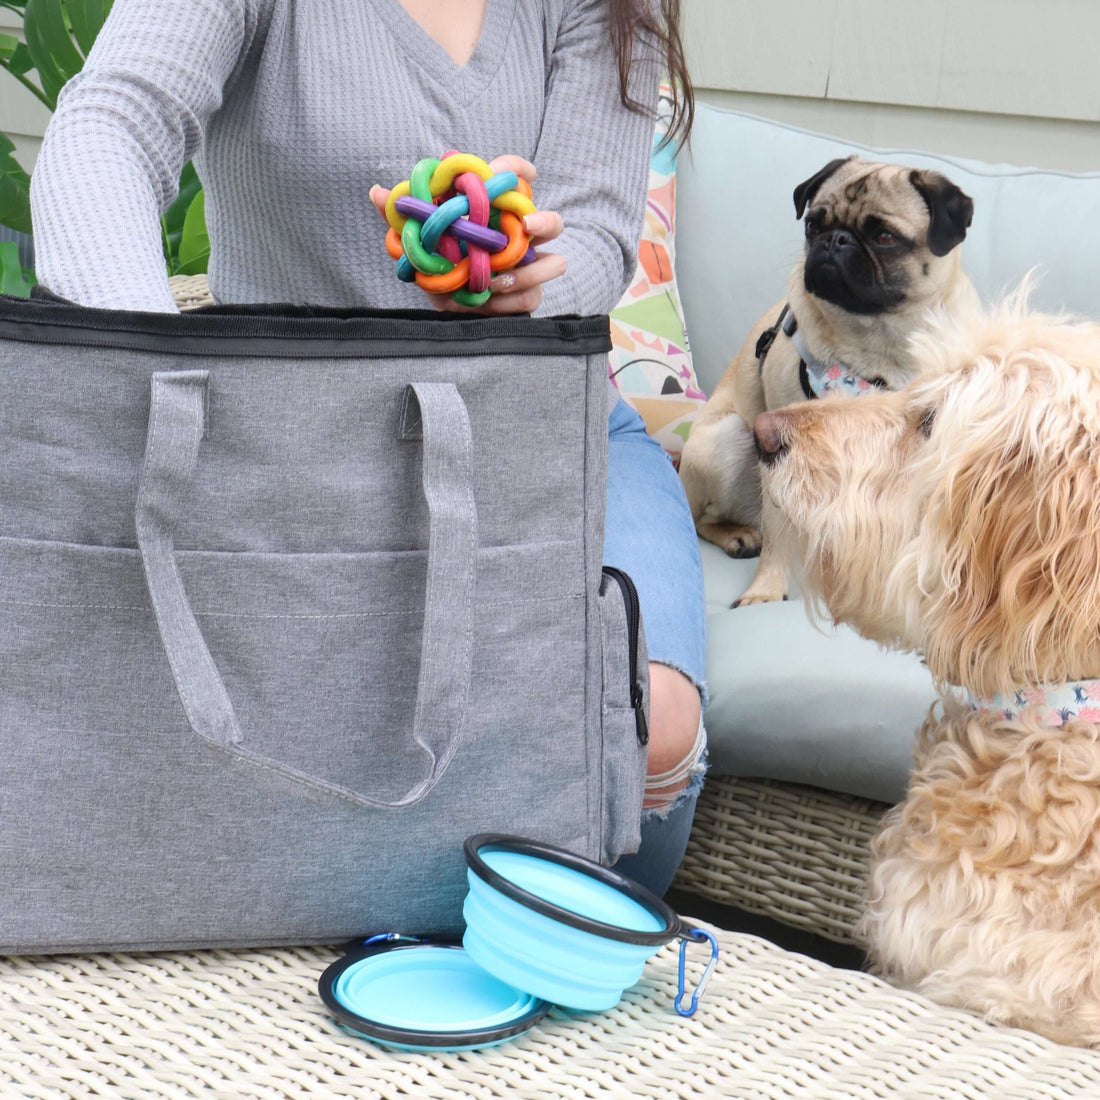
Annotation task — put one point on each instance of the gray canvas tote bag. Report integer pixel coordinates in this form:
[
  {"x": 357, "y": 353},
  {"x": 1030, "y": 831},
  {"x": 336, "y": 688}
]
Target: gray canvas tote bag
[{"x": 291, "y": 602}]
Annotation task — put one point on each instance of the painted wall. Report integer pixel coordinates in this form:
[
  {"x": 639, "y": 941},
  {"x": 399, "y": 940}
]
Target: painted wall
[{"x": 1000, "y": 80}]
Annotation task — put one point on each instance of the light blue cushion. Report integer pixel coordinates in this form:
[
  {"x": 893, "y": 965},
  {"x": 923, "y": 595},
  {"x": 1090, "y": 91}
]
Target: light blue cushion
[
  {"x": 790, "y": 701},
  {"x": 804, "y": 703}
]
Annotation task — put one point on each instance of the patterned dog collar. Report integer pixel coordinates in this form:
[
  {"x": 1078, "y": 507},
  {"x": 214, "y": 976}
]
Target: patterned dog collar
[
  {"x": 815, "y": 377},
  {"x": 1057, "y": 703},
  {"x": 820, "y": 378}
]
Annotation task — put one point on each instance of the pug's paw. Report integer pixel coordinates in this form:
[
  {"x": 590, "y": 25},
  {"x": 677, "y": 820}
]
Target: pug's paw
[
  {"x": 738, "y": 540},
  {"x": 754, "y": 594}
]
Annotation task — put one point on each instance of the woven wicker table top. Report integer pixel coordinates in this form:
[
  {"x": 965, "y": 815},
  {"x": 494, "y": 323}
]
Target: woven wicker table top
[{"x": 237, "y": 1025}]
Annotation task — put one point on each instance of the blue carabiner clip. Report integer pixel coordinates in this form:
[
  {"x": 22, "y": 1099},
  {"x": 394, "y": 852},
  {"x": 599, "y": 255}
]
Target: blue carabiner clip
[{"x": 699, "y": 936}]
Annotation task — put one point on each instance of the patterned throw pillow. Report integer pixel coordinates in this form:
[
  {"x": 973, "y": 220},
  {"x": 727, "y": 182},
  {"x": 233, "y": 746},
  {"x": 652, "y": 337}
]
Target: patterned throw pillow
[{"x": 650, "y": 361}]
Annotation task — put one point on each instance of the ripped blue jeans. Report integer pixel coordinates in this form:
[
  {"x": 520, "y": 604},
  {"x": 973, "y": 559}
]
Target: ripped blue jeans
[{"x": 649, "y": 534}]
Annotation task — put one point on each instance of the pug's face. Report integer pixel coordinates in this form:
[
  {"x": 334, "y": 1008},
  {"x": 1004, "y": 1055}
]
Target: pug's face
[{"x": 879, "y": 236}]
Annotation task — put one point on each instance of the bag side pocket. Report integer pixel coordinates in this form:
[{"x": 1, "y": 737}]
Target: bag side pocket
[{"x": 625, "y": 713}]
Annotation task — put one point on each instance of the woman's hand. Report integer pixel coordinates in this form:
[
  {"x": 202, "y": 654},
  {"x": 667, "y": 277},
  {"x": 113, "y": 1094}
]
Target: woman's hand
[{"x": 518, "y": 290}]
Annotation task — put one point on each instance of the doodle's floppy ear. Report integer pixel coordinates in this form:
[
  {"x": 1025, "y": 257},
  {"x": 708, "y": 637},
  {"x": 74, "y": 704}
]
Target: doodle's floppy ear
[
  {"x": 805, "y": 191},
  {"x": 1016, "y": 529},
  {"x": 951, "y": 210}
]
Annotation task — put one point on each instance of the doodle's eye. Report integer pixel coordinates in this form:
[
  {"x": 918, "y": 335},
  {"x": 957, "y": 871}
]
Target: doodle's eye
[{"x": 927, "y": 422}]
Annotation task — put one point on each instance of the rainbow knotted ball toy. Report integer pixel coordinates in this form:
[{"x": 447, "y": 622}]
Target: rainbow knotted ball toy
[{"x": 454, "y": 223}]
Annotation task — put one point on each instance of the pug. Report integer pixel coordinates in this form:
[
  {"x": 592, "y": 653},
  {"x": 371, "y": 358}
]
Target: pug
[{"x": 881, "y": 250}]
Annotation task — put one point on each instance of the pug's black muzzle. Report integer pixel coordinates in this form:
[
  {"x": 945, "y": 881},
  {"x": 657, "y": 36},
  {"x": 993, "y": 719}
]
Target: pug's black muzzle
[{"x": 839, "y": 269}]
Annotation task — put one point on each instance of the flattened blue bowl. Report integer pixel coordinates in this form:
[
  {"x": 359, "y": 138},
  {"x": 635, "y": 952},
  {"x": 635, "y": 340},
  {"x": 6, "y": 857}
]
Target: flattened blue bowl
[
  {"x": 411, "y": 994},
  {"x": 557, "y": 925}
]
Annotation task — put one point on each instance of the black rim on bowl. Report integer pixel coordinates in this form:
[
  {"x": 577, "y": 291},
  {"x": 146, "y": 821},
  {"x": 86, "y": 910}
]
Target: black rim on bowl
[
  {"x": 386, "y": 1033},
  {"x": 635, "y": 891}
]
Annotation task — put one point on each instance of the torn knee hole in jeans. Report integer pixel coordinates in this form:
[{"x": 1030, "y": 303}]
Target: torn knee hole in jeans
[{"x": 664, "y": 790}]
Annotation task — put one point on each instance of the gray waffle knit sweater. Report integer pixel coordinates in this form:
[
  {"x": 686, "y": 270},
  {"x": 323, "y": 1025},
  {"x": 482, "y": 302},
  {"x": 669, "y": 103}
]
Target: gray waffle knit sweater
[{"x": 293, "y": 109}]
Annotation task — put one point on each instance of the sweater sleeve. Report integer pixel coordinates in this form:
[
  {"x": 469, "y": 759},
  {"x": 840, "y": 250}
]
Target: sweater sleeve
[
  {"x": 123, "y": 129},
  {"x": 593, "y": 161}
]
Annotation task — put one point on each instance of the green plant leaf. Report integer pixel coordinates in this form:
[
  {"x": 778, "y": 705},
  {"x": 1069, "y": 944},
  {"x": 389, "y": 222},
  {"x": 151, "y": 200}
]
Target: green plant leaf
[
  {"x": 172, "y": 219},
  {"x": 8, "y": 45},
  {"x": 58, "y": 36},
  {"x": 194, "y": 243},
  {"x": 36, "y": 31},
  {"x": 86, "y": 18},
  {"x": 50, "y": 41},
  {"x": 189, "y": 187},
  {"x": 20, "y": 63},
  {"x": 12, "y": 277},
  {"x": 15, "y": 189}
]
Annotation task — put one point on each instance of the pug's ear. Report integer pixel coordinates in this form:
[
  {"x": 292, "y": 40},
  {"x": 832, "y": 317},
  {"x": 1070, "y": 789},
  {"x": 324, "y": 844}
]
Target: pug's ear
[
  {"x": 805, "y": 191},
  {"x": 950, "y": 209}
]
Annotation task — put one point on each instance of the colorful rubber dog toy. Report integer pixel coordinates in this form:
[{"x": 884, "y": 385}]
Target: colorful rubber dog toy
[{"x": 454, "y": 223}]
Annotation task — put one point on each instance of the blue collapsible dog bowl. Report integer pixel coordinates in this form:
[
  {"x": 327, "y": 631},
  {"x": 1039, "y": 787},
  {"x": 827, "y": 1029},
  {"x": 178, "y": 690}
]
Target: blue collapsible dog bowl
[
  {"x": 543, "y": 926},
  {"x": 559, "y": 926},
  {"x": 413, "y": 994}
]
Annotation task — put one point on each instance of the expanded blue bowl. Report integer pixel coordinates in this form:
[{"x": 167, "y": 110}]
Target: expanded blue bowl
[{"x": 559, "y": 926}]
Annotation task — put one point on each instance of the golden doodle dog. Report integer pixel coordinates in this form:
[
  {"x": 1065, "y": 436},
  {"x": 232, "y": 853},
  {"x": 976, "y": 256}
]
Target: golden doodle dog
[
  {"x": 960, "y": 518},
  {"x": 882, "y": 248}
]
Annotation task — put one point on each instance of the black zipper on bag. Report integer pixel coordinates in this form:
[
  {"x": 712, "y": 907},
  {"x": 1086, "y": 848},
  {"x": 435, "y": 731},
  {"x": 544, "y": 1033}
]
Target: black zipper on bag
[
  {"x": 307, "y": 332},
  {"x": 633, "y": 625}
]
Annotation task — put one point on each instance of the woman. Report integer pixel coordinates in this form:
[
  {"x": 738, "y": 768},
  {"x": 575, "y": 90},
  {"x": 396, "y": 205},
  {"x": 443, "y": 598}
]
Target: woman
[{"x": 293, "y": 109}]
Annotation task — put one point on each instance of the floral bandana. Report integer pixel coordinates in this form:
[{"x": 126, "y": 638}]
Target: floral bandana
[
  {"x": 826, "y": 378},
  {"x": 1056, "y": 704}
]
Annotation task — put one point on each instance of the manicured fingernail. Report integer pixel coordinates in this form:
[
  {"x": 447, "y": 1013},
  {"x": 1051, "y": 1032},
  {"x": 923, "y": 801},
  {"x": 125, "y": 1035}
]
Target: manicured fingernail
[{"x": 503, "y": 282}]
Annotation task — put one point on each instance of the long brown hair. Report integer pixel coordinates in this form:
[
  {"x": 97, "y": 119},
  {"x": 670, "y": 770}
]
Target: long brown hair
[{"x": 656, "y": 22}]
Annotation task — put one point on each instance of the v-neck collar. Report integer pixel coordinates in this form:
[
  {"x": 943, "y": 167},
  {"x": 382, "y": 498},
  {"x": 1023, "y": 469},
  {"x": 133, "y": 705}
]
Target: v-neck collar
[{"x": 425, "y": 52}]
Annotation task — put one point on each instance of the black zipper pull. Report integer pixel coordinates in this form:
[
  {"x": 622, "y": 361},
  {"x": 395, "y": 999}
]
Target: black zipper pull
[
  {"x": 633, "y": 625},
  {"x": 637, "y": 701}
]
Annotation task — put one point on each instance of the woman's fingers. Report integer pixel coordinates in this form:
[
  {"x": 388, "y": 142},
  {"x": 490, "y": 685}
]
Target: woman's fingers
[
  {"x": 526, "y": 301},
  {"x": 378, "y": 196},
  {"x": 549, "y": 265},
  {"x": 516, "y": 291},
  {"x": 520, "y": 290},
  {"x": 511, "y": 163},
  {"x": 543, "y": 226}
]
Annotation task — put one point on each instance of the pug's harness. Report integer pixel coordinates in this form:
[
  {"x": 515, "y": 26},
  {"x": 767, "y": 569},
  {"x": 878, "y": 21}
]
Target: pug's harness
[{"x": 815, "y": 377}]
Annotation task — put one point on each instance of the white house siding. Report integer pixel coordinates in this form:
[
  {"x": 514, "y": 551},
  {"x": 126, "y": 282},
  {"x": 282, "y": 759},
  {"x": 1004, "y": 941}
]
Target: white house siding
[
  {"x": 1001, "y": 80},
  {"x": 22, "y": 117}
]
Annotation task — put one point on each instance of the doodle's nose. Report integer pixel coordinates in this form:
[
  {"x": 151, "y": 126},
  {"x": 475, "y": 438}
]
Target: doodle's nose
[{"x": 769, "y": 432}]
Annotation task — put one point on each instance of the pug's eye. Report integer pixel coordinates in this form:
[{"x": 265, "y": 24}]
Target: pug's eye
[
  {"x": 926, "y": 423},
  {"x": 813, "y": 225},
  {"x": 884, "y": 238}
]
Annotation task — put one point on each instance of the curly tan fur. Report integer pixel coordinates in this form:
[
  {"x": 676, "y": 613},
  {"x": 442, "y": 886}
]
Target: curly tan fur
[{"x": 960, "y": 518}]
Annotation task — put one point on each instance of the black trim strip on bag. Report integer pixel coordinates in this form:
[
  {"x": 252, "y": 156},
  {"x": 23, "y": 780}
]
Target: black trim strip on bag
[
  {"x": 502, "y": 842},
  {"x": 298, "y": 332},
  {"x": 633, "y": 626}
]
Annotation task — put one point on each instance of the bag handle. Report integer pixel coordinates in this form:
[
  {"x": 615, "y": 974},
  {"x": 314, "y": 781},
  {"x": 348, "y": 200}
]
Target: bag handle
[{"x": 433, "y": 411}]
